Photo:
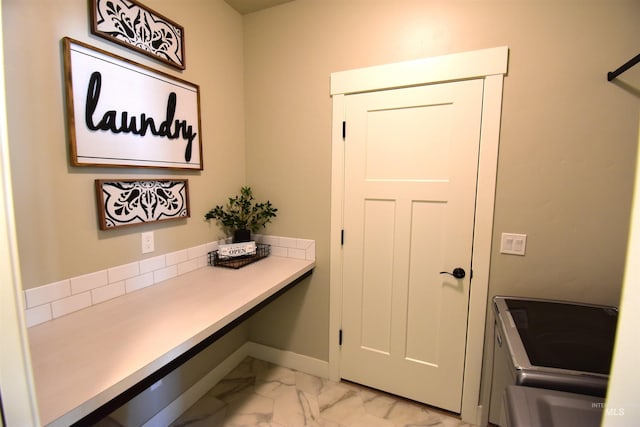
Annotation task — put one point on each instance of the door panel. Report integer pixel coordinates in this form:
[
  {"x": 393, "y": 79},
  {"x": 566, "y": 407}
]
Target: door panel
[
  {"x": 423, "y": 310},
  {"x": 400, "y": 127},
  {"x": 376, "y": 297},
  {"x": 410, "y": 176}
]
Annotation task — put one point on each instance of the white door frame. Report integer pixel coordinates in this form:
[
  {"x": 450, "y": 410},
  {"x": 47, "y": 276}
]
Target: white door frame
[
  {"x": 489, "y": 65},
  {"x": 16, "y": 379}
]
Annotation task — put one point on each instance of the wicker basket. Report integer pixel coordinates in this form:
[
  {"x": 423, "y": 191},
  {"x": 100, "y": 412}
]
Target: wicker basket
[{"x": 262, "y": 251}]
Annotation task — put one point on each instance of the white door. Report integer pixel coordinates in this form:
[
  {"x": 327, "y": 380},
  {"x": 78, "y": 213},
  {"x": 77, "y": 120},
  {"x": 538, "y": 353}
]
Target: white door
[{"x": 411, "y": 161}]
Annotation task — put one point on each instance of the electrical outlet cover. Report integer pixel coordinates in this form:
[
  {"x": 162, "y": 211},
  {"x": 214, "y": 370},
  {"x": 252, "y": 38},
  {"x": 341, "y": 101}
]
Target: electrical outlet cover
[{"x": 147, "y": 242}]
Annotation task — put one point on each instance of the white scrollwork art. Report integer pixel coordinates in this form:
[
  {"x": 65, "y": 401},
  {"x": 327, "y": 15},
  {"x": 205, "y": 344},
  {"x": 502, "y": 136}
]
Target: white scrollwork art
[
  {"x": 131, "y": 24},
  {"x": 130, "y": 202}
]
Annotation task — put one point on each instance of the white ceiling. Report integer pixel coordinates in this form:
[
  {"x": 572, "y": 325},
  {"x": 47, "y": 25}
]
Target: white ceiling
[{"x": 248, "y": 6}]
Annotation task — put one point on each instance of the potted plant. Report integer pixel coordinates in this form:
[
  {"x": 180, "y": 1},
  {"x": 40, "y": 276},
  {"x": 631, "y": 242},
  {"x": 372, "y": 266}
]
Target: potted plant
[{"x": 242, "y": 216}]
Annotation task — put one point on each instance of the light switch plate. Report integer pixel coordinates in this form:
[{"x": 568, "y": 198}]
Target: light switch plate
[{"x": 513, "y": 244}]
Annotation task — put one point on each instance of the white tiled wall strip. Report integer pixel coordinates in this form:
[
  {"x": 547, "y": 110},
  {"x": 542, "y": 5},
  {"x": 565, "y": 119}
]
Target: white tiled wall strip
[{"x": 47, "y": 302}]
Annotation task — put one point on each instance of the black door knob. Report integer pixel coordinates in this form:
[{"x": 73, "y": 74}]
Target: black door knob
[{"x": 458, "y": 273}]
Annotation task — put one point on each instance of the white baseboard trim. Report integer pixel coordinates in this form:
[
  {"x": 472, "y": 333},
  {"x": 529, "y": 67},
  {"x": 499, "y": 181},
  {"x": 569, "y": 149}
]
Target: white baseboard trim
[
  {"x": 286, "y": 359},
  {"x": 480, "y": 415},
  {"x": 289, "y": 359}
]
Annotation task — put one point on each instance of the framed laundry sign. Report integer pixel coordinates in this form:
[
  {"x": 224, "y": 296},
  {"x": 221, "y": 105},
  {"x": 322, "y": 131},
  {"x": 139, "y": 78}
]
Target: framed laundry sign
[
  {"x": 139, "y": 201},
  {"x": 124, "y": 114}
]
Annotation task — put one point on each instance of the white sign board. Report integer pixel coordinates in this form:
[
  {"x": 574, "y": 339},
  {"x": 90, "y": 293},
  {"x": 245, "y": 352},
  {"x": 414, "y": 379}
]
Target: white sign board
[
  {"x": 237, "y": 249},
  {"x": 125, "y": 114}
]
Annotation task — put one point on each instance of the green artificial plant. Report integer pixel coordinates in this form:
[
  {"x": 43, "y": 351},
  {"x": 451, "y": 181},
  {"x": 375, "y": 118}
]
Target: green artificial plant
[{"x": 242, "y": 213}]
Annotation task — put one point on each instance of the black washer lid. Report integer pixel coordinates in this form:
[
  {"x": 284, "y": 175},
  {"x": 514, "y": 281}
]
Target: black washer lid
[{"x": 566, "y": 335}]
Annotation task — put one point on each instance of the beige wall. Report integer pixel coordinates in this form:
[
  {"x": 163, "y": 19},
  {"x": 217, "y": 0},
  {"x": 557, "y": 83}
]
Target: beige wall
[
  {"x": 567, "y": 149},
  {"x": 56, "y": 219},
  {"x": 568, "y": 138},
  {"x": 566, "y": 154},
  {"x": 55, "y": 203}
]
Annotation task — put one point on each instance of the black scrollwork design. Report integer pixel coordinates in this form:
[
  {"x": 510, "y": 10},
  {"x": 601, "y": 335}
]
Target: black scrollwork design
[
  {"x": 127, "y": 22},
  {"x": 130, "y": 202}
]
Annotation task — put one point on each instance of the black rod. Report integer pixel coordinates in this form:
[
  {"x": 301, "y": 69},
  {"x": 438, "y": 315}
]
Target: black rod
[{"x": 633, "y": 61}]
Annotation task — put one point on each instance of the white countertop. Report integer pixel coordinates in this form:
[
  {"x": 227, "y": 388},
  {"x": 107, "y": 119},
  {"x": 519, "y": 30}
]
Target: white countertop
[{"x": 82, "y": 360}]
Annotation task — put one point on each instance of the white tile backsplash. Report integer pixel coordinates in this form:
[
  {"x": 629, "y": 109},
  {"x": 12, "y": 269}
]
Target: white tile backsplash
[
  {"x": 212, "y": 246},
  {"x": 296, "y": 253},
  {"x": 138, "y": 282},
  {"x": 197, "y": 251},
  {"x": 122, "y": 272},
  {"x": 152, "y": 264},
  {"x": 37, "y": 315},
  {"x": 279, "y": 251},
  {"x": 47, "y": 293},
  {"x": 71, "y": 304},
  {"x": 89, "y": 281},
  {"x": 47, "y": 302},
  {"x": 187, "y": 266},
  {"x": 165, "y": 273},
  {"x": 274, "y": 241},
  {"x": 177, "y": 257},
  {"x": 304, "y": 243},
  {"x": 108, "y": 292},
  {"x": 310, "y": 252},
  {"x": 288, "y": 242}
]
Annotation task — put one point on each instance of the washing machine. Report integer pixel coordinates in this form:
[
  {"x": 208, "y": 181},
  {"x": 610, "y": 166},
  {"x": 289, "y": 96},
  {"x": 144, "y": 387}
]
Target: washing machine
[
  {"x": 550, "y": 344},
  {"x": 539, "y": 407}
]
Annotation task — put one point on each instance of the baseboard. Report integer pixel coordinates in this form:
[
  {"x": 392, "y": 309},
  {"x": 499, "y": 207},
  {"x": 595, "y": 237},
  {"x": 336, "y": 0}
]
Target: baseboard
[
  {"x": 480, "y": 416},
  {"x": 286, "y": 359},
  {"x": 289, "y": 359}
]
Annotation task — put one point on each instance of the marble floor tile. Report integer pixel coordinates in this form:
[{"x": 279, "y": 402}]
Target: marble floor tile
[{"x": 260, "y": 394}]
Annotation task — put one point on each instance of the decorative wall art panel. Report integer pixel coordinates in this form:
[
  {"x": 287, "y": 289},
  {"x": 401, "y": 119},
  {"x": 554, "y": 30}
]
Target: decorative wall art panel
[
  {"x": 135, "y": 26},
  {"x": 133, "y": 202},
  {"x": 121, "y": 113}
]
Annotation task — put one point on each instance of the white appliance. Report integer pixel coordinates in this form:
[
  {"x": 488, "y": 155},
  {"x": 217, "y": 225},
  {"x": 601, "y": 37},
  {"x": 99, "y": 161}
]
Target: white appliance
[{"x": 554, "y": 345}]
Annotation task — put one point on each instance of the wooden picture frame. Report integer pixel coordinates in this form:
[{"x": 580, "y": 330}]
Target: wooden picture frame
[
  {"x": 127, "y": 202},
  {"x": 135, "y": 26},
  {"x": 124, "y": 114}
]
